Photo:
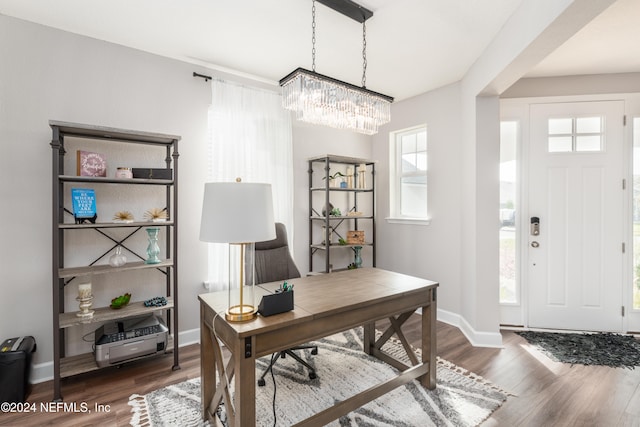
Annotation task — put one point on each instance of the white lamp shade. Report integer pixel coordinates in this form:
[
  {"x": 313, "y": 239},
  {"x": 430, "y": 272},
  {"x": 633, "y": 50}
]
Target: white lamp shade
[{"x": 237, "y": 212}]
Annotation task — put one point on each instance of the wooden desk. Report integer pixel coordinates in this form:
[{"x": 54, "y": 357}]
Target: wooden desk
[{"x": 324, "y": 305}]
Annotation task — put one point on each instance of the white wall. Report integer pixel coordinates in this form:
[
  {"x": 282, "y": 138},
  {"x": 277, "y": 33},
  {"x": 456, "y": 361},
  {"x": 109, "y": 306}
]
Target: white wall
[
  {"x": 49, "y": 74},
  {"x": 429, "y": 251}
]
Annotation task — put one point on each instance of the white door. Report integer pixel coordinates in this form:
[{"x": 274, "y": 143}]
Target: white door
[{"x": 575, "y": 263}]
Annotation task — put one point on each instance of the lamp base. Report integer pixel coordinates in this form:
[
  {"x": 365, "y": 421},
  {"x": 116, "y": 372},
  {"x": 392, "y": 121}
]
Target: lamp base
[{"x": 241, "y": 313}]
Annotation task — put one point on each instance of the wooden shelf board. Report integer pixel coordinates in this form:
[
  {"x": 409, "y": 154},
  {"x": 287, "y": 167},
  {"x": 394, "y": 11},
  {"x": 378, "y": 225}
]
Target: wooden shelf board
[
  {"x": 342, "y": 159},
  {"x": 353, "y": 190},
  {"x": 115, "y": 225},
  {"x": 321, "y": 218},
  {"x": 337, "y": 245},
  {"x": 81, "y": 130},
  {"x": 103, "y": 314},
  {"x": 81, "y": 363},
  {"x": 64, "y": 273},
  {"x": 107, "y": 180}
]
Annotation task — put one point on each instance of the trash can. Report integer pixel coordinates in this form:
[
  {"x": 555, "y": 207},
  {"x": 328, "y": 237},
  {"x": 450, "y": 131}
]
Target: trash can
[{"x": 15, "y": 367}]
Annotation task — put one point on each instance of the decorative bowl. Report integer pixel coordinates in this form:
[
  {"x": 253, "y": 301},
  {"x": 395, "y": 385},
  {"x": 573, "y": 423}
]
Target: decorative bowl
[{"x": 120, "y": 301}]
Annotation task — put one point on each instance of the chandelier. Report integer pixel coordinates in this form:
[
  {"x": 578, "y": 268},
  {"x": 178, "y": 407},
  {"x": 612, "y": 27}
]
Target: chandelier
[{"x": 323, "y": 100}]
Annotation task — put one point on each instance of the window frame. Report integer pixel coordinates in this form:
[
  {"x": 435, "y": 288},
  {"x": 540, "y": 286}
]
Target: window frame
[{"x": 396, "y": 175}]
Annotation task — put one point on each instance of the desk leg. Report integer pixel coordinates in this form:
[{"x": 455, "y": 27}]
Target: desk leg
[
  {"x": 429, "y": 347},
  {"x": 207, "y": 367},
  {"x": 369, "y": 337},
  {"x": 245, "y": 382}
]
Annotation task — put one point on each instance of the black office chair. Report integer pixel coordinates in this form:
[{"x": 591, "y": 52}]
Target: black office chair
[{"x": 273, "y": 263}]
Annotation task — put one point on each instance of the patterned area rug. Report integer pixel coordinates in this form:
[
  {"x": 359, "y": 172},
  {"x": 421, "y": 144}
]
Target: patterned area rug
[
  {"x": 461, "y": 398},
  {"x": 587, "y": 349}
]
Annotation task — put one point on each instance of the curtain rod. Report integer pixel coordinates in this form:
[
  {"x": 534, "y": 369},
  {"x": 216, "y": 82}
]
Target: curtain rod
[{"x": 206, "y": 78}]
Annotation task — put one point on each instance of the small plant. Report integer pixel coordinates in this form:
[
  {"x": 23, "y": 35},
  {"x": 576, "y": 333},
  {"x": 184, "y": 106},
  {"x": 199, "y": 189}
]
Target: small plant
[
  {"x": 335, "y": 212},
  {"x": 341, "y": 241},
  {"x": 334, "y": 176}
]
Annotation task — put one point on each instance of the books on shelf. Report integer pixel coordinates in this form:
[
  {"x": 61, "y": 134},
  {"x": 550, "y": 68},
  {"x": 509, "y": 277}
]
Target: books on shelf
[{"x": 84, "y": 204}]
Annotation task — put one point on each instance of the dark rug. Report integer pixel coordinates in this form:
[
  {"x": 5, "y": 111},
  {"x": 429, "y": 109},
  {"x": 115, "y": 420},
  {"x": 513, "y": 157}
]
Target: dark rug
[{"x": 605, "y": 349}]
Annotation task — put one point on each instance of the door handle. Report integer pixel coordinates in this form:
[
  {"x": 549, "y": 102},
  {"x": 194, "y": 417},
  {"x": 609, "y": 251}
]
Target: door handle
[{"x": 535, "y": 244}]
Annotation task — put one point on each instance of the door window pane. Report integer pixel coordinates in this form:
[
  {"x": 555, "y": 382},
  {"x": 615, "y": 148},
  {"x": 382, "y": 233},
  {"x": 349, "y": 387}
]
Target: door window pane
[
  {"x": 560, "y": 144},
  {"x": 575, "y": 134},
  {"x": 589, "y": 125},
  {"x": 560, "y": 126},
  {"x": 588, "y": 143}
]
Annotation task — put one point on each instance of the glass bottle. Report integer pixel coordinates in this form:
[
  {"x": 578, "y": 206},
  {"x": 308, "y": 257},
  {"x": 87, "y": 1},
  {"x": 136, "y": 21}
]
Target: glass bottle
[{"x": 357, "y": 259}]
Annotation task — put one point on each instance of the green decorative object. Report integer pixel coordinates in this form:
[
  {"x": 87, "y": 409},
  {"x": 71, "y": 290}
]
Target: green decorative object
[
  {"x": 335, "y": 212},
  {"x": 120, "y": 301},
  {"x": 153, "y": 250}
]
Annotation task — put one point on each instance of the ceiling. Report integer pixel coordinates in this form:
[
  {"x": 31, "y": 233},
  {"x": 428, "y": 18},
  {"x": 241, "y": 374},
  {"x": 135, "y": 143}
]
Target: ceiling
[{"x": 413, "y": 46}]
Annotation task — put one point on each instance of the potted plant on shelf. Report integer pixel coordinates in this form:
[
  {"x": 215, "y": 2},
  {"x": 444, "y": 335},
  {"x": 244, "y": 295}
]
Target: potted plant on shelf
[{"x": 333, "y": 179}]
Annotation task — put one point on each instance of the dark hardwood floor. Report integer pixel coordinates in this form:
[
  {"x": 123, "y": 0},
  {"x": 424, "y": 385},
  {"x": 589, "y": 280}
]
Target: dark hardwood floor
[{"x": 546, "y": 393}]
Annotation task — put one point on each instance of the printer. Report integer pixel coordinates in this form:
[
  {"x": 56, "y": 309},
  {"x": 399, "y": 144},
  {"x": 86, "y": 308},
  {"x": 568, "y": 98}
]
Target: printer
[{"x": 129, "y": 339}]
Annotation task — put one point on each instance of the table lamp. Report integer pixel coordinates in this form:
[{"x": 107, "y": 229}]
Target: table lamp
[{"x": 239, "y": 214}]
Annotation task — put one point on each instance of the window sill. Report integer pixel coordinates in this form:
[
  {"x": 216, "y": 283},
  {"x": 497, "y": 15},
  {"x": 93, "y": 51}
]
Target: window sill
[{"x": 409, "y": 221}]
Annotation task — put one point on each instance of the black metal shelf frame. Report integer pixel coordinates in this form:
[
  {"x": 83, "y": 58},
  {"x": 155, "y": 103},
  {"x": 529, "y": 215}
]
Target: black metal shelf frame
[{"x": 62, "y": 130}]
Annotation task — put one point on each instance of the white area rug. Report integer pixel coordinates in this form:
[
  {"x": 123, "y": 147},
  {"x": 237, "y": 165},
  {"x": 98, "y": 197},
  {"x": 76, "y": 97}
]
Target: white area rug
[{"x": 461, "y": 398}]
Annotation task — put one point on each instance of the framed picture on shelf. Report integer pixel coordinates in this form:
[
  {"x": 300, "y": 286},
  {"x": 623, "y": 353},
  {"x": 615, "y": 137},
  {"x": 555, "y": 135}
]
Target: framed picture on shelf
[
  {"x": 84, "y": 205},
  {"x": 90, "y": 164}
]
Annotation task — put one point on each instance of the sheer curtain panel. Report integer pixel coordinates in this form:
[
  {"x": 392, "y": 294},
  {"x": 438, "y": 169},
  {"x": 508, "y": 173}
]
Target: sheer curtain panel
[{"x": 249, "y": 138}]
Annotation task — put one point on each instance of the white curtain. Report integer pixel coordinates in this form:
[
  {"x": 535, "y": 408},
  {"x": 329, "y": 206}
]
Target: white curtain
[{"x": 250, "y": 138}]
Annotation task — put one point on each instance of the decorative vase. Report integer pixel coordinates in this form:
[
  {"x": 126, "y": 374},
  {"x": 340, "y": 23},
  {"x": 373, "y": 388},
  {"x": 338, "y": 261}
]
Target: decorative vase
[
  {"x": 153, "y": 250},
  {"x": 357, "y": 259},
  {"x": 117, "y": 259}
]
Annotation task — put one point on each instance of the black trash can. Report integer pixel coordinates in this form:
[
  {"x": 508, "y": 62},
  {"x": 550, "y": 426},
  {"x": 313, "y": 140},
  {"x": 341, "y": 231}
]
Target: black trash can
[{"x": 15, "y": 367}]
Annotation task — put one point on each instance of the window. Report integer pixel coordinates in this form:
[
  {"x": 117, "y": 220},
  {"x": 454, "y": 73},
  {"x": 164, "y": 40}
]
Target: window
[
  {"x": 579, "y": 134},
  {"x": 509, "y": 285},
  {"x": 636, "y": 213},
  {"x": 408, "y": 177}
]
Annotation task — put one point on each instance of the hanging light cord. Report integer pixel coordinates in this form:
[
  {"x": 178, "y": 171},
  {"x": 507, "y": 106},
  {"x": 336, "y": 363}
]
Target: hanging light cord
[
  {"x": 313, "y": 36},
  {"x": 364, "y": 54}
]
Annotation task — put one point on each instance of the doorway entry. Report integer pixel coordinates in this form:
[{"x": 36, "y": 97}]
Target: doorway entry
[{"x": 573, "y": 263}]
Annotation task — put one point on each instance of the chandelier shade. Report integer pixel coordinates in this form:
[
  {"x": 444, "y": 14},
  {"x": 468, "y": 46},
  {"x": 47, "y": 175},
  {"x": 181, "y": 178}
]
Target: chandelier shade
[{"x": 323, "y": 100}]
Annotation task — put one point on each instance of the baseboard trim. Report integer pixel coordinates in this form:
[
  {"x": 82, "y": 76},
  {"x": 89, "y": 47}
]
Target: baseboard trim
[{"x": 475, "y": 338}]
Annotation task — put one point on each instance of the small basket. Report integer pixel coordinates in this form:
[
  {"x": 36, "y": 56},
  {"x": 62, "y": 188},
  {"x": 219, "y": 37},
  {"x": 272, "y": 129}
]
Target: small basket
[{"x": 355, "y": 237}]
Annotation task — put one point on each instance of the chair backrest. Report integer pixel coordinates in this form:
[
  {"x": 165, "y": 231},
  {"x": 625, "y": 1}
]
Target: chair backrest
[{"x": 273, "y": 260}]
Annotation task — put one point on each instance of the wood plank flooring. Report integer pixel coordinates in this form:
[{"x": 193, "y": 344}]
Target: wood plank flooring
[{"x": 547, "y": 393}]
